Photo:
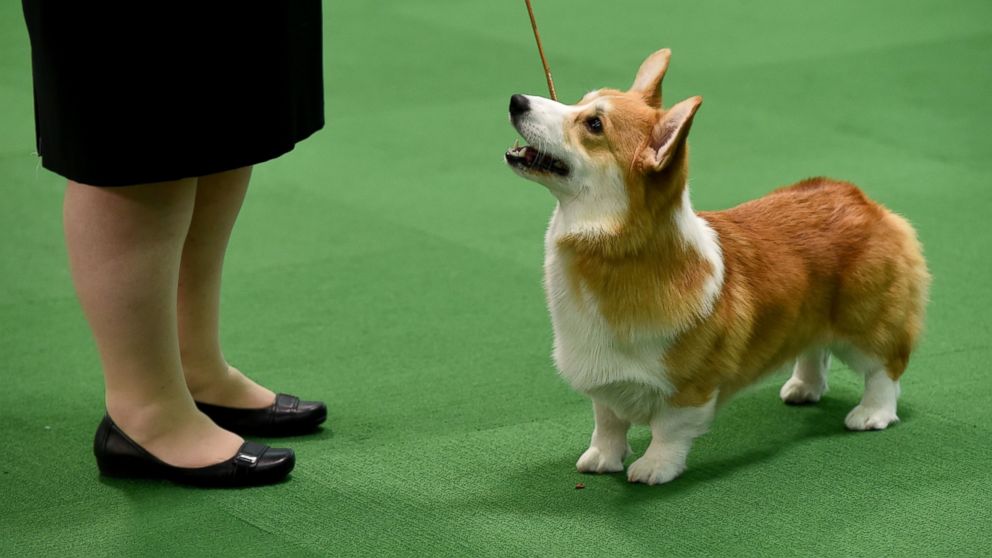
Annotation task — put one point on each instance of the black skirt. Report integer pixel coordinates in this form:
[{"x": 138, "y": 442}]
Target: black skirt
[{"x": 139, "y": 92}]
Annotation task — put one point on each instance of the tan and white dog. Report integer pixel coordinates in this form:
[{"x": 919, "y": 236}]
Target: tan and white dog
[{"x": 661, "y": 313}]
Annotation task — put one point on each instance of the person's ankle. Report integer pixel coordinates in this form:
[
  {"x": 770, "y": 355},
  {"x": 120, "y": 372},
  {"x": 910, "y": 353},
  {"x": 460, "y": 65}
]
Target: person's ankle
[
  {"x": 205, "y": 373},
  {"x": 227, "y": 387},
  {"x": 146, "y": 420}
]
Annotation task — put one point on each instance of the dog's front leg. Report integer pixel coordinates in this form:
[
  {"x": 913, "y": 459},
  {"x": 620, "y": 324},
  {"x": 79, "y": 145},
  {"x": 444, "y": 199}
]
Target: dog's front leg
[
  {"x": 608, "y": 447},
  {"x": 673, "y": 428}
]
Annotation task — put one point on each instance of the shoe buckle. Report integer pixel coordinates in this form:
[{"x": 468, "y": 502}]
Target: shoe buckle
[{"x": 244, "y": 457}]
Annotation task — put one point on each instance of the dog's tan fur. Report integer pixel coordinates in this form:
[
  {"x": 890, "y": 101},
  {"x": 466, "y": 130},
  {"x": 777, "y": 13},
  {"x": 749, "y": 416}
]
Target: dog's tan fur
[{"x": 814, "y": 264}]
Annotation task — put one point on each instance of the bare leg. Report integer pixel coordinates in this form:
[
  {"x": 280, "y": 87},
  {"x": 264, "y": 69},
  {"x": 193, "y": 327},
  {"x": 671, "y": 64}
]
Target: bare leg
[
  {"x": 672, "y": 431},
  {"x": 124, "y": 248},
  {"x": 209, "y": 377},
  {"x": 608, "y": 447}
]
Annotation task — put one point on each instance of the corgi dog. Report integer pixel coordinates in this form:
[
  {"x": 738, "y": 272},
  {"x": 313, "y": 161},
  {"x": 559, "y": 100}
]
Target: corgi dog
[{"x": 661, "y": 313}]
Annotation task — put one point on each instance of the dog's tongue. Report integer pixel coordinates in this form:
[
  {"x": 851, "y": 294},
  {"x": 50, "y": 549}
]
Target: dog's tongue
[{"x": 530, "y": 154}]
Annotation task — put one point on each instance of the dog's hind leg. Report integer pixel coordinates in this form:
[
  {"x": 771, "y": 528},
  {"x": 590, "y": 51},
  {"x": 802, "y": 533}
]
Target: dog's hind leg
[
  {"x": 809, "y": 378},
  {"x": 608, "y": 447},
  {"x": 877, "y": 409}
]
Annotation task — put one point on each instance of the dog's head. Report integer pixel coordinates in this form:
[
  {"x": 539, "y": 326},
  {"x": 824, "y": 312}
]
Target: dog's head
[{"x": 607, "y": 150}]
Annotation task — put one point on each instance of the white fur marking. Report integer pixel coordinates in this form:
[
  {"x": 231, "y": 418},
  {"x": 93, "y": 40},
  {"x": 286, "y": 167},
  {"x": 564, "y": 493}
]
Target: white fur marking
[
  {"x": 877, "y": 409},
  {"x": 672, "y": 433},
  {"x": 608, "y": 447},
  {"x": 699, "y": 236},
  {"x": 598, "y": 208},
  {"x": 809, "y": 378},
  {"x": 587, "y": 350}
]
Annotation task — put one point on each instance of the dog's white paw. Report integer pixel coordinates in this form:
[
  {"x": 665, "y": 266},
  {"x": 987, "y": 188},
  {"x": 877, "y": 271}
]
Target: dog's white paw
[
  {"x": 654, "y": 470},
  {"x": 597, "y": 460},
  {"x": 869, "y": 418},
  {"x": 797, "y": 392}
]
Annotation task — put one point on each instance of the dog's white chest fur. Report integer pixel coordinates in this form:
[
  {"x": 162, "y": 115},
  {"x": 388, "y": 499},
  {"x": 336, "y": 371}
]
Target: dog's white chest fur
[
  {"x": 625, "y": 371},
  {"x": 587, "y": 351}
]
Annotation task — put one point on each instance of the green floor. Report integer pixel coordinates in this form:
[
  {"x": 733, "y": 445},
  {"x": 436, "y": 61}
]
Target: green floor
[{"x": 392, "y": 266}]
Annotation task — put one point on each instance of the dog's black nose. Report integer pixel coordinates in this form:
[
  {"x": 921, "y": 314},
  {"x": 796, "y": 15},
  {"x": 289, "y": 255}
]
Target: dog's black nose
[{"x": 519, "y": 105}]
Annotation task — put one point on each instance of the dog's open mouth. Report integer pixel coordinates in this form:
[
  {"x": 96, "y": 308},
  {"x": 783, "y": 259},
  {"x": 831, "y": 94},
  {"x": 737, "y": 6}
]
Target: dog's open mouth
[{"x": 527, "y": 158}]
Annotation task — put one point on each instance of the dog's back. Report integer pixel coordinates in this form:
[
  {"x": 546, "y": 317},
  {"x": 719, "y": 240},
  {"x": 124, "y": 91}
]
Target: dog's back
[{"x": 814, "y": 265}]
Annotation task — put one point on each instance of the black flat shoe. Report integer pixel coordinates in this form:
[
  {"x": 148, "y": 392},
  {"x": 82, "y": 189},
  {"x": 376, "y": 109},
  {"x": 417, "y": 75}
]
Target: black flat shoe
[
  {"x": 117, "y": 455},
  {"x": 288, "y": 416}
]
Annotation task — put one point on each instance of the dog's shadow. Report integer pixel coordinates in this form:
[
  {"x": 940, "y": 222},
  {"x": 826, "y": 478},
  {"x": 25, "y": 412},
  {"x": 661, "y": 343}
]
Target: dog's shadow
[
  {"x": 721, "y": 453},
  {"x": 736, "y": 452}
]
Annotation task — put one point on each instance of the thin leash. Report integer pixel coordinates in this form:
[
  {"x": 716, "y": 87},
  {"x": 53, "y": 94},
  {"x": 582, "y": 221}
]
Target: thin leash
[
  {"x": 540, "y": 50},
  {"x": 551, "y": 83}
]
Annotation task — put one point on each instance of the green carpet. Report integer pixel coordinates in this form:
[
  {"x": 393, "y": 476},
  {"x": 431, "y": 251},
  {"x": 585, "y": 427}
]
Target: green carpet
[{"x": 392, "y": 266}]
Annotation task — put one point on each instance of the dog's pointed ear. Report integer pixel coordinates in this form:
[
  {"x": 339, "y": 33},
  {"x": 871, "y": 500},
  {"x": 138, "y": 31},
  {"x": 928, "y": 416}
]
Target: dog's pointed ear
[
  {"x": 647, "y": 83},
  {"x": 669, "y": 133}
]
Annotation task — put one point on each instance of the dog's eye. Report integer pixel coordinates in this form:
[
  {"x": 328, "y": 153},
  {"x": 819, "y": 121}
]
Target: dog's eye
[{"x": 594, "y": 124}]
